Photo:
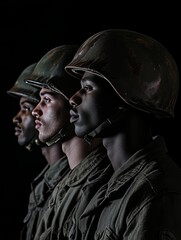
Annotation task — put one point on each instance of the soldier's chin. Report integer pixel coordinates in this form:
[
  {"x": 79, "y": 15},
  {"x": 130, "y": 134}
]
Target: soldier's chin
[
  {"x": 42, "y": 138},
  {"x": 80, "y": 131}
]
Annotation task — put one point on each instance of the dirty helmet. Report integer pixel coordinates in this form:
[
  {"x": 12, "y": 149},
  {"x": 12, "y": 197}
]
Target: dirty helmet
[
  {"x": 50, "y": 73},
  {"x": 21, "y": 89},
  {"x": 139, "y": 69}
]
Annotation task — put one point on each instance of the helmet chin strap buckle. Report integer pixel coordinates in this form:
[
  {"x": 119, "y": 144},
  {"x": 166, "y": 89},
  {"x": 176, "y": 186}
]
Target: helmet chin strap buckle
[
  {"x": 33, "y": 144},
  {"x": 109, "y": 121},
  {"x": 59, "y": 136},
  {"x": 89, "y": 137},
  {"x": 64, "y": 134}
]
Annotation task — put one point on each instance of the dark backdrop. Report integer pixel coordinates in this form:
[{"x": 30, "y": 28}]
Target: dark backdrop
[{"x": 27, "y": 31}]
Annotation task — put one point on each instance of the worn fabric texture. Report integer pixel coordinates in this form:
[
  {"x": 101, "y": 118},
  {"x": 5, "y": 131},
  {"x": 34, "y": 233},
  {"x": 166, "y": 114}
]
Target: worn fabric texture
[
  {"x": 42, "y": 188},
  {"x": 142, "y": 200},
  {"x": 94, "y": 171}
]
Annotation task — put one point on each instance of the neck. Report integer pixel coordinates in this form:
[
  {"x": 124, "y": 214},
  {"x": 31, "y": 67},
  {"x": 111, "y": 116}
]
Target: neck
[
  {"x": 131, "y": 136},
  {"x": 76, "y": 149},
  {"x": 52, "y": 153}
]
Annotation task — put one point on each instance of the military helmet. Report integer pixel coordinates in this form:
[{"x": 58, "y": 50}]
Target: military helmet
[
  {"x": 141, "y": 71},
  {"x": 50, "y": 73},
  {"x": 21, "y": 89}
]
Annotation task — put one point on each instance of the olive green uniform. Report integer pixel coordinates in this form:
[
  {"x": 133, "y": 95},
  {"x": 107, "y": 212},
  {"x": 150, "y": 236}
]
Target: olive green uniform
[
  {"x": 42, "y": 187},
  {"x": 142, "y": 200},
  {"x": 85, "y": 178}
]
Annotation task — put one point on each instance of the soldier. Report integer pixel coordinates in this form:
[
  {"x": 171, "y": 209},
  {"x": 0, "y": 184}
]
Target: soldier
[
  {"x": 57, "y": 165},
  {"x": 89, "y": 165},
  {"x": 128, "y": 82}
]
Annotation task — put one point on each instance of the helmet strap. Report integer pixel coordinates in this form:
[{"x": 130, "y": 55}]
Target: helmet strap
[
  {"x": 64, "y": 134},
  {"x": 107, "y": 123},
  {"x": 33, "y": 144}
]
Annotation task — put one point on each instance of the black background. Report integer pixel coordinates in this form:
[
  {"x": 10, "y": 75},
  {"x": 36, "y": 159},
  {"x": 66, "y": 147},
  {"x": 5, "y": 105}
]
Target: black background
[{"x": 27, "y": 31}]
